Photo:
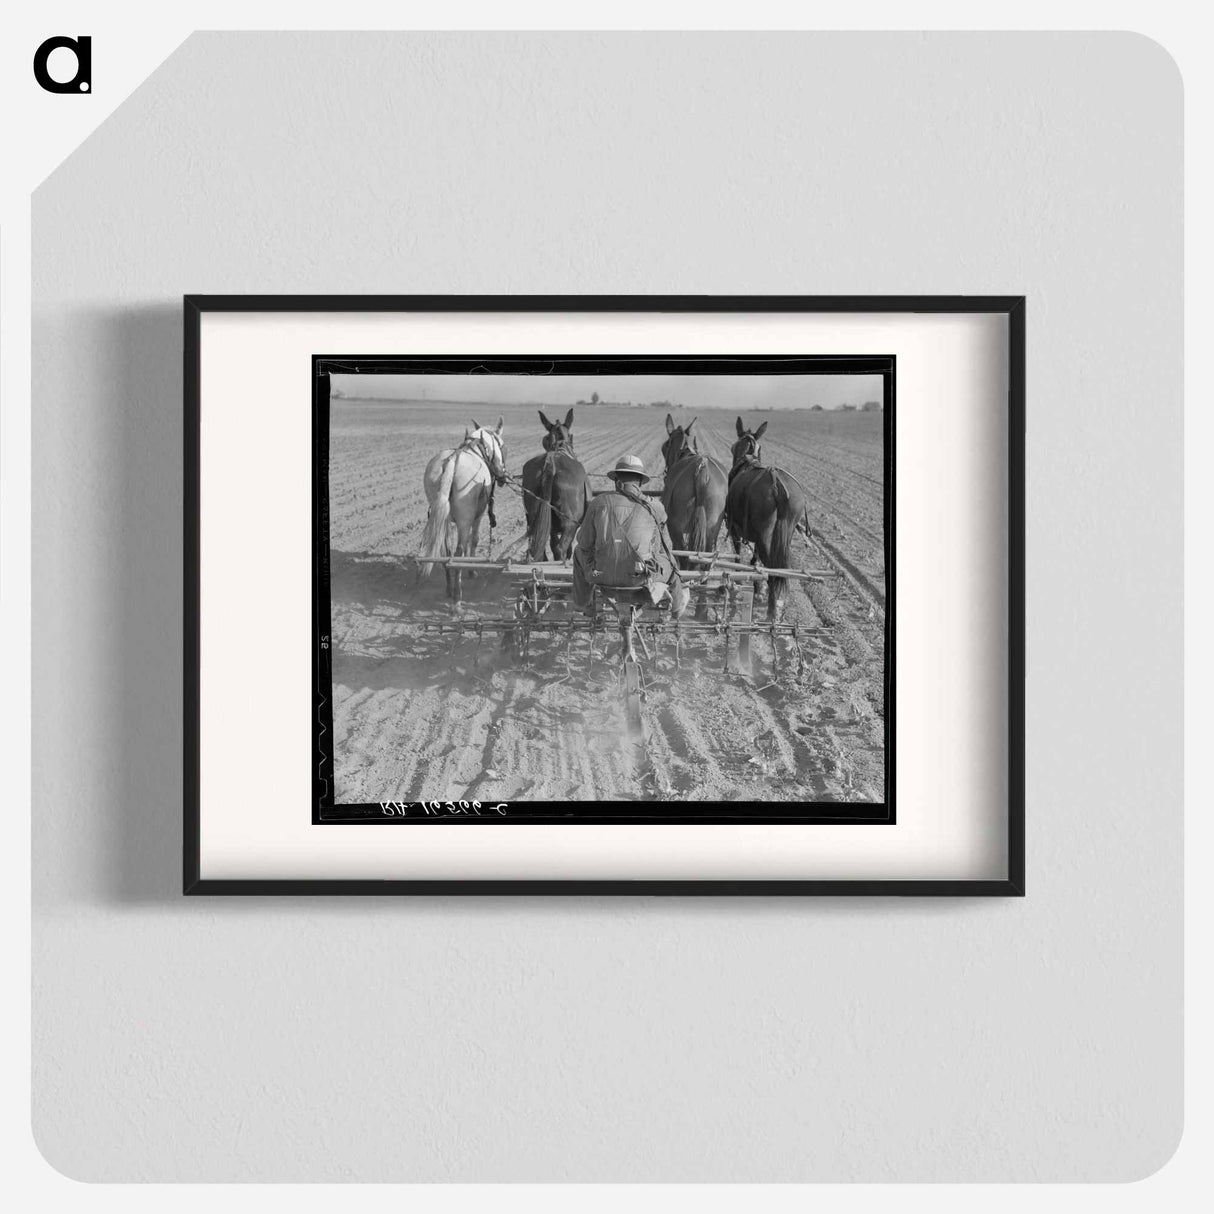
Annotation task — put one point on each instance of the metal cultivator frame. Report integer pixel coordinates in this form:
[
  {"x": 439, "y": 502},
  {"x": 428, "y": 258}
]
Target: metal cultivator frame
[{"x": 540, "y": 603}]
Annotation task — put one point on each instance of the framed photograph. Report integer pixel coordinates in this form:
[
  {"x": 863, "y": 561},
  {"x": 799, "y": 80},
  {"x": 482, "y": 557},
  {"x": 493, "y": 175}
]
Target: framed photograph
[{"x": 604, "y": 594}]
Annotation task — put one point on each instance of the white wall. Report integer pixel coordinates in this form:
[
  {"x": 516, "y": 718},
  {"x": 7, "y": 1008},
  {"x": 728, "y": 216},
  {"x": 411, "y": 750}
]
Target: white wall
[{"x": 625, "y": 1039}]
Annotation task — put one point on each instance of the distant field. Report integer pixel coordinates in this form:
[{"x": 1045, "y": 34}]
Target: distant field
[{"x": 413, "y": 720}]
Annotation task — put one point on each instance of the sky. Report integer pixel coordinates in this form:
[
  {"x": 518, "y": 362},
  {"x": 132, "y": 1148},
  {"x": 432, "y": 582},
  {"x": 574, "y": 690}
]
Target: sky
[{"x": 694, "y": 391}]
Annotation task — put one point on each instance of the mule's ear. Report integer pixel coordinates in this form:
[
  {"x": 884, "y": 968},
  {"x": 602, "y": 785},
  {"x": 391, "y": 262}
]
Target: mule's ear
[
  {"x": 687, "y": 428},
  {"x": 466, "y": 435},
  {"x": 501, "y": 422},
  {"x": 475, "y": 424},
  {"x": 568, "y": 419},
  {"x": 547, "y": 423},
  {"x": 669, "y": 424},
  {"x": 740, "y": 430},
  {"x": 759, "y": 431}
]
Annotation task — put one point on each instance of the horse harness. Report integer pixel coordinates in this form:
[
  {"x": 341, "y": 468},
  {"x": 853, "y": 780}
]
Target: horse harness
[
  {"x": 753, "y": 456},
  {"x": 564, "y": 447},
  {"x": 476, "y": 444},
  {"x": 752, "y": 462},
  {"x": 644, "y": 505}
]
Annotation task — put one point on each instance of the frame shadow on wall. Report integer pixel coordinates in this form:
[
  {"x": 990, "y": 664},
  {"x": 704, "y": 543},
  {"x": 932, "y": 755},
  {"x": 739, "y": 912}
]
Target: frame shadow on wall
[{"x": 144, "y": 721}]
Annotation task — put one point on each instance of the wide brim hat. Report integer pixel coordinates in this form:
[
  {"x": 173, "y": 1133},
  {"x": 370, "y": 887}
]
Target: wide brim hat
[{"x": 630, "y": 464}]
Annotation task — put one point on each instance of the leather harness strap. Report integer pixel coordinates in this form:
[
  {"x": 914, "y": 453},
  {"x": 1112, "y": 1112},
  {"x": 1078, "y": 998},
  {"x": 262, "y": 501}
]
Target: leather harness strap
[
  {"x": 640, "y": 501},
  {"x": 475, "y": 443}
]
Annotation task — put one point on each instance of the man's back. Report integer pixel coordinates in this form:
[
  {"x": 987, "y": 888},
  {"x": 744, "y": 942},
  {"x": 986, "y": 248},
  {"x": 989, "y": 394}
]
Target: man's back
[{"x": 619, "y": 535}]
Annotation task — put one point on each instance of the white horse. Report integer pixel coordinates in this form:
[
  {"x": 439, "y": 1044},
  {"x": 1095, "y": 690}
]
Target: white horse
[{"x": 459, "y": 482}]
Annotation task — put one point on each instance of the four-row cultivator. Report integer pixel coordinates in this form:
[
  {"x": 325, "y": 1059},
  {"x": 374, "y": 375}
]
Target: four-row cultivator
[{"x": 722, "y": 591}]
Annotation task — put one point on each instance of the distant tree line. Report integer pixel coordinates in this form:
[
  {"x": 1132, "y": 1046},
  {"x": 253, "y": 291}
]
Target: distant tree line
[{"x": 595, "y": 399}]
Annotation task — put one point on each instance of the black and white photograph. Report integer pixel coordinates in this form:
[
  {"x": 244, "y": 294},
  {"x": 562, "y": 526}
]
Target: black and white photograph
[{"x": 657, "y": 588}]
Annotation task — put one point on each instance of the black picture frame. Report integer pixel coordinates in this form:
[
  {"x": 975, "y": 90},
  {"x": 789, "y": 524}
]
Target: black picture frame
[{"x": 1011, "y": 307}]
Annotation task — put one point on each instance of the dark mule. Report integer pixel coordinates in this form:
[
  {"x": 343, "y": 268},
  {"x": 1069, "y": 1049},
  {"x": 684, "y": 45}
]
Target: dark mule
[
  {"x": 694, "y": 491},
  {"x": 693, "y": 495},
  {"x": 765, "y": 507},
  {"x": 556, "y": 493}
]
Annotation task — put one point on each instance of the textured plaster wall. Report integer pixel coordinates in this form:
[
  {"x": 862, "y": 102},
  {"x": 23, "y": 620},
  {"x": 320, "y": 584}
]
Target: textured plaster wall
[{"x": 625, "y": 1039}]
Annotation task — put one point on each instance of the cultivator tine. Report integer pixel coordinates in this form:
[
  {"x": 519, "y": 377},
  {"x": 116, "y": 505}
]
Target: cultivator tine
[
  {"x": 746, "y": 605},
  {"x": 627, "y": 631},
  {"x": 592, "y": 636},
  {"x": 476, "y": 653},
  {"x": 640, "y": 635}
]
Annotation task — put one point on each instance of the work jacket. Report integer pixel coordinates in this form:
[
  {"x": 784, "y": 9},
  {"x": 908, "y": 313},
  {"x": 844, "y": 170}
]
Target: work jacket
[{"x": 623, "y": 541}]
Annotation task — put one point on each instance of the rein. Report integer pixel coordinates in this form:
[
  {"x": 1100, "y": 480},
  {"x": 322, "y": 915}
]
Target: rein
[{"x": 513, "y": 483}]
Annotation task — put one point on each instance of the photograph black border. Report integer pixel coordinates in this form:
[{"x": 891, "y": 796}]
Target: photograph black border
[
  {"x": 1013, "y": 307},
  {"x": 601, "y": 812}
]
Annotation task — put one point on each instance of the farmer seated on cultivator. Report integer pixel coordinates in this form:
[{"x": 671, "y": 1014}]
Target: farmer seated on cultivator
[{"x": 623, "y": 541}]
